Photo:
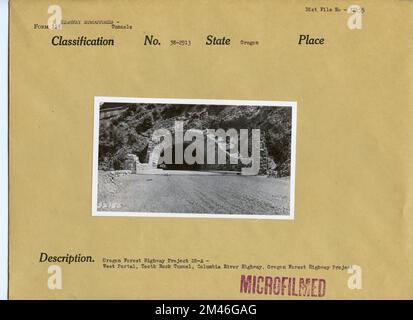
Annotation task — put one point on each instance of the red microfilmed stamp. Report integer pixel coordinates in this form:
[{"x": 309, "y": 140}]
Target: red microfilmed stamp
[{"x": 283, "y": 286}]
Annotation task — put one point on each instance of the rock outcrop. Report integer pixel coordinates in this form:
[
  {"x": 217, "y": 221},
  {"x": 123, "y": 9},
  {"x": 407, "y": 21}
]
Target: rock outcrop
[{"x": 125, "y": 136}]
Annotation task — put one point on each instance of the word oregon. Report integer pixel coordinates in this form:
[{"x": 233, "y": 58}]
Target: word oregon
[{"x": 82, "y": 41}]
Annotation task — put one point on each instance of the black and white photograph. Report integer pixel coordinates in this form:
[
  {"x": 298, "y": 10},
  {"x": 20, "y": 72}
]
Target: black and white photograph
[{"x": 194, "y": 158}]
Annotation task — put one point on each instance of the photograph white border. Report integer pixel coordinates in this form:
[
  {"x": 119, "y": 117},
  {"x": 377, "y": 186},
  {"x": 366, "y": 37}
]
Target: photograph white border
[
  {"x": 4, "y": 180},
  {"x": 98, "y": 100}
]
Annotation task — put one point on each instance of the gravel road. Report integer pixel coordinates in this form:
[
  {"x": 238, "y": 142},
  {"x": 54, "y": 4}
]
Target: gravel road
[{"x": 217, "y": 194}]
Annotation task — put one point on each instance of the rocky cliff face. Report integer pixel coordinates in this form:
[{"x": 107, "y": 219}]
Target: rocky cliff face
[{"x": 128, "y": 130}]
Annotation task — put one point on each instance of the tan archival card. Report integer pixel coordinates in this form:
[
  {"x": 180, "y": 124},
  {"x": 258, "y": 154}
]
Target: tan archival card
[{"x": 94, "y": 212}]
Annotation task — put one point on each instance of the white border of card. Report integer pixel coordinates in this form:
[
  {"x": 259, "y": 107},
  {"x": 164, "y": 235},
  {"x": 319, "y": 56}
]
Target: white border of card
[{"x": 4, "y": 225}]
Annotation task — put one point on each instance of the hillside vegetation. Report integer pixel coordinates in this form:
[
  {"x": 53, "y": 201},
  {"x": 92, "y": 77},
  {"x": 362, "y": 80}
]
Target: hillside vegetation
[{"x": 130, "y": 130}]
